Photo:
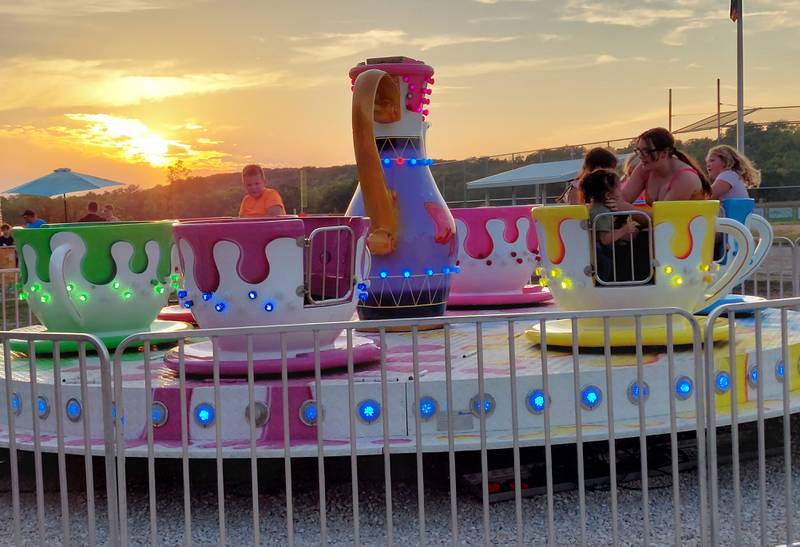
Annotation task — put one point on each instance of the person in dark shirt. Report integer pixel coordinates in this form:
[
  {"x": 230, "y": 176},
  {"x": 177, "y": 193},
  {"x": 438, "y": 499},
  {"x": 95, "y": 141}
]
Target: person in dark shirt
[
  {"x": 6, "y": 240},
  {"x": 92, "y": 215}
]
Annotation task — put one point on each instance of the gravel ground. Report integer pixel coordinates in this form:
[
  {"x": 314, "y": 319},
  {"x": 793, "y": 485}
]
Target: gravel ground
[{"x": 238, "y": 505}]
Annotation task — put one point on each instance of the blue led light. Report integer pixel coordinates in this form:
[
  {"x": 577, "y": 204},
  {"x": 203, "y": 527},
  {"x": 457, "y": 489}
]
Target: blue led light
[
  {"x": 683, "y": 388},
  {"x": 204, "y": 414},
  {"x": 369, "y": 410},
  {"x": 384, "y": 274},
  {"x": 779, "y": 371},
  {"x": 406, "y": 273},
  {"x": 429, "y": 272},
  {"x": 387, "y": 161},
  {"x": 207, "y": 296},
  {"x": 159, "y": 413},
  {"x": 429, "y": 161},
  {"x": 456, "y": 269},
  {"x": 363, "y": 295},
  {"x": 413, "y": 161},
  {"x": 427, "y": 408},
  {"x": 591, "y": 396},
  {"x": 488, "y": 405},
  {"x": 74, "y": 410},
  {"x": 309, "y": 413},
  {"x": 188, "y": 304},
  {"x": 752, "y": 376},
  {"x": 361, "y": 286},
  {"x": 220, "y": 306},
  {"x": 722, "y": 381},
  {"x": 252, "y": 295},
  {"x": 537, "y": 400},
  {"x": 633, "y": 392},
  {"x": 446, "y": 270},
  {"x": 182, "y": 293},
  {"x": 269, "y": 306},
  {"x": 16, "y": 404},
  {"x": 42, "y": 407}
]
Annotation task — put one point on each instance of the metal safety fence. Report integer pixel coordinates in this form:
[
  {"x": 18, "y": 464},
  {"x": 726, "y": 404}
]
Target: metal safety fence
[{"x": 588, "y": 446}]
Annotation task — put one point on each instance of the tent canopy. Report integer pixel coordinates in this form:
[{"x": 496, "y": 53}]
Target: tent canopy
[
  {"x": 533, "y": 174},
  {"x": 62, "y": 181}
]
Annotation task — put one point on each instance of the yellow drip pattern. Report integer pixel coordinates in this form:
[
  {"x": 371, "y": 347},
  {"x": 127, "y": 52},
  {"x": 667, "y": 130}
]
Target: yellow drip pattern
[
  {"x": 551, "y": 218},
  {"x": 681, "y": 214}
]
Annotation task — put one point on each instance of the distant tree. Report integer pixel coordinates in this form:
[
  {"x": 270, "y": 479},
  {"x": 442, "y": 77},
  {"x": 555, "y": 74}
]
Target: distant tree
[{"x": 178, "y": 171}]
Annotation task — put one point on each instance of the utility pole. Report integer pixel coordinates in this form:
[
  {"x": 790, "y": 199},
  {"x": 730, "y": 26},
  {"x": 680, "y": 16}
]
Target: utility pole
[
  {"x": 719, "y": 100},
  {"x": 740, "y": 80},
  {"x": 670, "y": 110}
]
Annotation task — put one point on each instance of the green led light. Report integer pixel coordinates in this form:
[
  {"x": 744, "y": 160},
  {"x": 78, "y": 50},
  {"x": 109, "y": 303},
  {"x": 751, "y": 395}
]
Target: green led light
[
  {"x": 23, "y": 296},
  {"x": 36, "y": 287},
  {"x": 70, "y": 287},
  {"x": 19, "y": 285},
  {"x": 175, "y": 277},
  {"x": 84, "y": 297},
  {"x": 115, "y": 285},
  {"x": 127, "y": 295},
  {"x": 45, "y": 298},
  {"x": 160, "y": 289}
]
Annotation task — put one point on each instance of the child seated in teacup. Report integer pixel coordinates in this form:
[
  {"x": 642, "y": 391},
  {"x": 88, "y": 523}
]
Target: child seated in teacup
[
  {"x": 609, "y": 229},
  {"x": 259, "y": 201}
]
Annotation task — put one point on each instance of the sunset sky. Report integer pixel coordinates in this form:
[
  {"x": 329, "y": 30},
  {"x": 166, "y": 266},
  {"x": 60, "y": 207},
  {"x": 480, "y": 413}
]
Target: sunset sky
[{"x": 123, "y": 88}]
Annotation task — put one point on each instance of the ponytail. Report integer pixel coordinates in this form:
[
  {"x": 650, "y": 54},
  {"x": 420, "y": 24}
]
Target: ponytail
[{"x": 685, "y": 158}]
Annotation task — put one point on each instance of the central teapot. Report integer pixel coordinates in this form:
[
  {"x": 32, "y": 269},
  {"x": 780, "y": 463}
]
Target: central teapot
[{"x": 412, "y": 239}]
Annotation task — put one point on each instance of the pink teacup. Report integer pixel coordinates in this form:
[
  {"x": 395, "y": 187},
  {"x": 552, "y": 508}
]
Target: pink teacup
[
  {"x": 497, "y": 249},
  {"x": 273, "y": 271}
]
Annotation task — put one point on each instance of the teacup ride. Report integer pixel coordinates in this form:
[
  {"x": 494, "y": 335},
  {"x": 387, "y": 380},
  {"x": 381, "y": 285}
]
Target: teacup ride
[
  {"x": 273, "y": 271},
  {"x": 682, "y": 242},
  {"x": 497, "y": 253},
  {"x": 741, "y": 210},
  {"x": 105, "y": 279}
]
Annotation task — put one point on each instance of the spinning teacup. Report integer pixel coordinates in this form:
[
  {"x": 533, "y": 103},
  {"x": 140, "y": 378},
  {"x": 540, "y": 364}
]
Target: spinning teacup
[
  {"x": 682, "y": 242},
  {"x": 497, "y": 247},
  {"x": 271, "y": 271},
  {"x": 106, "y": 279}
]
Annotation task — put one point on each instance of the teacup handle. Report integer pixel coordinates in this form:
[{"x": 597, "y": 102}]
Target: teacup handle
[
  {"x": 766, "y": 235},
  {"x": 58, "y": 259},
  {"x": 733, "y": 273}
]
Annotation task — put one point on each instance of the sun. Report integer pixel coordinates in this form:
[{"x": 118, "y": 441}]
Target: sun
[{"x": 134, "y": 141}]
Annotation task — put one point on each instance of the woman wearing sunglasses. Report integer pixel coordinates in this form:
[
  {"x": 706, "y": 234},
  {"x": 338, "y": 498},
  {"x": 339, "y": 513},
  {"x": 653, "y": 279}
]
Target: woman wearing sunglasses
[{"x": 663, "y": 174}]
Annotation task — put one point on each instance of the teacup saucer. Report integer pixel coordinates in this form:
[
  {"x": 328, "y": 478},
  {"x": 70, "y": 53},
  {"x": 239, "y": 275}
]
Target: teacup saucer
[
  {"x": 176, "y": 313},
  {"x": 733, "y": 299},
  {"x": 110, "y": 339},
  {"x": 199, "y": 358},
  {"x": 530, "y": 294},
  {"x": 622, "y": 332}
]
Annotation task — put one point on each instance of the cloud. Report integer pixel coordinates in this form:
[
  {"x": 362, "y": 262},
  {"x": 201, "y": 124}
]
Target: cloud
[
  {"x": 628, "y": 13},
  {"x": 77, "y": 8},
  {"x": 59, "y": 83},
  {"x": 551, "y": 37},
  {"x": 125, "y": 139},
  {"x": 328, "y": 46},
  {"x": 555, "y": 63},
  {"x": 492, "y": 2},
  {"x": 677, "y": 36},
  {"x": 494, "y": 18}
]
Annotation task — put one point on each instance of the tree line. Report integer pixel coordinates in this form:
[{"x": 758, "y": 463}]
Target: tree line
[{"x": 774, "y": 148}]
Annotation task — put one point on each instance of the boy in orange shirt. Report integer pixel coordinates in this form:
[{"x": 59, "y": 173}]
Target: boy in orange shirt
[{"x": 260, "y": 201}]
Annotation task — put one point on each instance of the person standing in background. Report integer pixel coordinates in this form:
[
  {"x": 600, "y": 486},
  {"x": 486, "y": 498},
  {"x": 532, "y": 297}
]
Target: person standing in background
[{"x": 31, "y": 221}]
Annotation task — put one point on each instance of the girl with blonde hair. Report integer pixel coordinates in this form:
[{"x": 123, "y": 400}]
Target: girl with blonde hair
[{"x": 731, "y": 172}]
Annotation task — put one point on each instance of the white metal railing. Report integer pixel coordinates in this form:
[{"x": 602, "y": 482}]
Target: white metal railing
[{"x": 694, "y": 511}]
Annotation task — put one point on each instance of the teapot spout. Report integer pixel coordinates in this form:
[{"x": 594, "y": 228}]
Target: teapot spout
[{"x": 376, "y": 98}]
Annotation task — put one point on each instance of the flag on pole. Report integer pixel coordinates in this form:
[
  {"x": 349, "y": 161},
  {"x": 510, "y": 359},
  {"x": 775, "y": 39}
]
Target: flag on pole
[{"x": 736, "y": 8}]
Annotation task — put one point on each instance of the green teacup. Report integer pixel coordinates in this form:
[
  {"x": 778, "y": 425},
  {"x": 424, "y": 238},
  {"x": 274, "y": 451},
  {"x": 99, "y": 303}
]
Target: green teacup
[{"x": 106, "y": 279}]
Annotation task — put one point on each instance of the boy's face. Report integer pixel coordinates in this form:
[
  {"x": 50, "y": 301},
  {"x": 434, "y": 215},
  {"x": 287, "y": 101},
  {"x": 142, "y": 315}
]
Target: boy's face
[
  {"x": 5, "y": 231},
  {"x": 254, "y": 185}
]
